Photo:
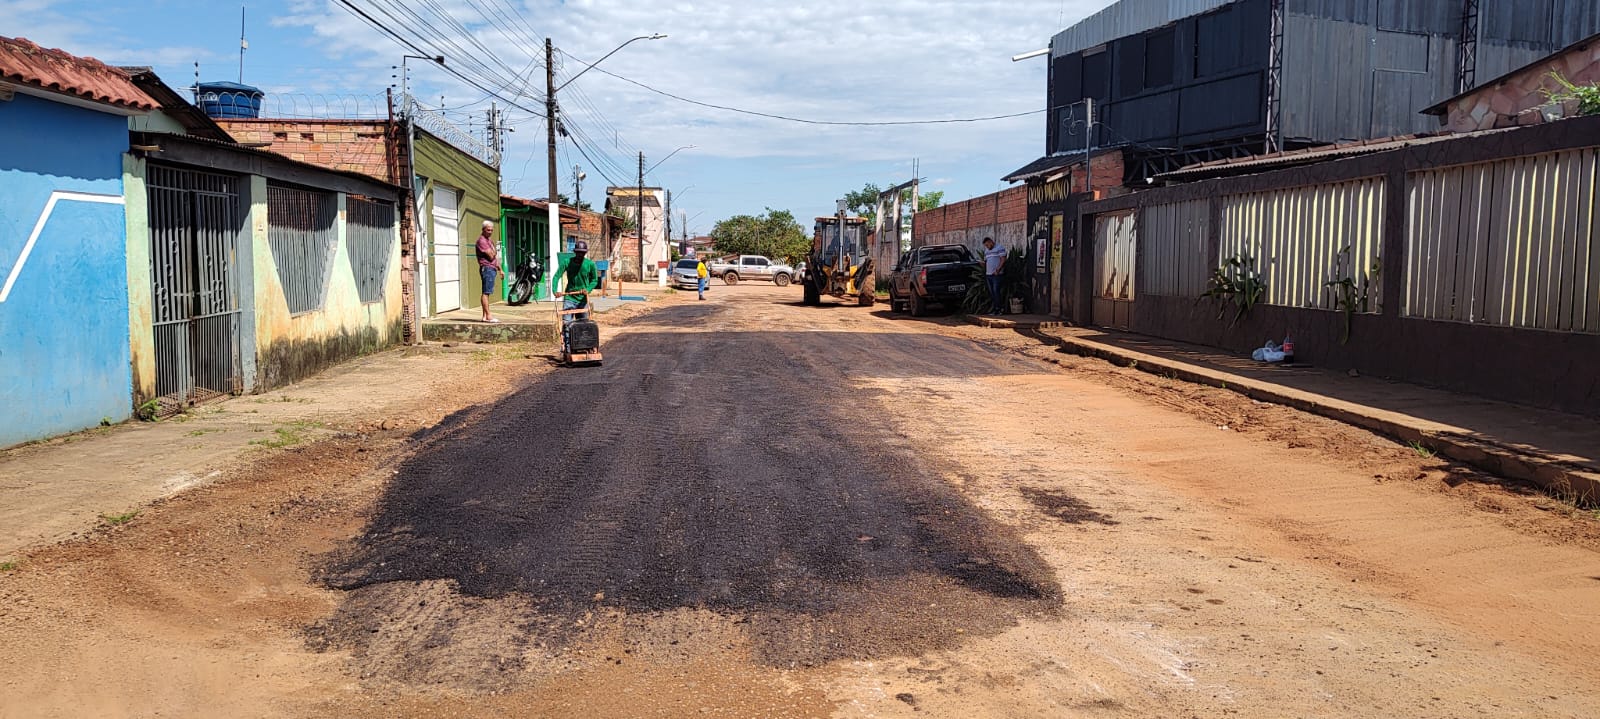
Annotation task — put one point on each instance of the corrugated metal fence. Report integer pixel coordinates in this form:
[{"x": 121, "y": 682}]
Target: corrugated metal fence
[
  {"x": 1301, "y": 239},
  {"x": 303, "y": 235},
  {"x": 1508, "y": 243},
  {"x": 370, "y": 237},
  {"x": 1116, "y": 250},
  {"x": 1175, "y": 248}
]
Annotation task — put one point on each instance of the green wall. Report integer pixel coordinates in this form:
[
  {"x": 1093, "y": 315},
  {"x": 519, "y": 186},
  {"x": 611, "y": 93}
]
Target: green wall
[{"x": 438, "y": 161}]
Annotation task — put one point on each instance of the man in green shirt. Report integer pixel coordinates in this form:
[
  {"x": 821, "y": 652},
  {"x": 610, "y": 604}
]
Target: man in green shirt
[{"x": 582, "y": 277}]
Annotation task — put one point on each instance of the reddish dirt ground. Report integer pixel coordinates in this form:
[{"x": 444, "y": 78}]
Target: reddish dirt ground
[{"x": 761, "y": 509}]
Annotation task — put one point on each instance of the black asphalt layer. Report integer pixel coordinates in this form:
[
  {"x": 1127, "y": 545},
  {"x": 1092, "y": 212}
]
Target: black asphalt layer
[{"x": 753, "y": 473}]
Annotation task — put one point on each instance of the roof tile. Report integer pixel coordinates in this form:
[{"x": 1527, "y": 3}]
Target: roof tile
[{"x": 25, "y": 63}]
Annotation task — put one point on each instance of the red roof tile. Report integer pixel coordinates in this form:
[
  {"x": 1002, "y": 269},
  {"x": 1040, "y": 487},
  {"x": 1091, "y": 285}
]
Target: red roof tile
[{"x": 25, "y": 63}]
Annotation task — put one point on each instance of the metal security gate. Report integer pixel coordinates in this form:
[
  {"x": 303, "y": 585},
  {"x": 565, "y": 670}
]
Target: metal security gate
[
  {"x": 1115, "y": 249},
  {"x": 194, "y": 229}
]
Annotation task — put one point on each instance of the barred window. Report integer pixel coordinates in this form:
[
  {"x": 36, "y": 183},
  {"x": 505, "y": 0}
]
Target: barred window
[
  {"x": 302, "y": 235},
  {"x": 370, "y": 237}
]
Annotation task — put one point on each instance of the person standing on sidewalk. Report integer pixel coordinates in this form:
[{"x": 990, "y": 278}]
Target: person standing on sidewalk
[
  {"x": 581, "y": 279},
  {"x": 703, "y": 274},
  {"x": 488, "y": 266},
  {"x": 994, "y": 265}
]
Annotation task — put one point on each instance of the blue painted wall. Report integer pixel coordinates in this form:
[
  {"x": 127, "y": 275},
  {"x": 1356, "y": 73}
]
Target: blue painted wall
[{"x": 64, "y": 350}]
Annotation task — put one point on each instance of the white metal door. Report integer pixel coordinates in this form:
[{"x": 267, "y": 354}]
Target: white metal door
[{"x": 446, "y": 249}]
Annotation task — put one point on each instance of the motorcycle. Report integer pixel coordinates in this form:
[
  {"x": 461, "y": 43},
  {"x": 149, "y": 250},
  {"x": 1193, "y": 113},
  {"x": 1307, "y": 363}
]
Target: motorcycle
[{"x": 526, "y": 279}]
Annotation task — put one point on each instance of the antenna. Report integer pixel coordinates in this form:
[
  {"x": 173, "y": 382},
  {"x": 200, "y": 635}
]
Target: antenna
[{"x": 243, "y": 45}]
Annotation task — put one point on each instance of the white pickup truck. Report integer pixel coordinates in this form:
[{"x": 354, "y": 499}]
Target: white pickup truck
[{"x": 751, "y": 267}]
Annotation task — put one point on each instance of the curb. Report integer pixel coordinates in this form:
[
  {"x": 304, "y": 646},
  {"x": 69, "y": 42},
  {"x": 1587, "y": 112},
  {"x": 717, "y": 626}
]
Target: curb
[
  {"x": 1560, "y": 478},
  {"x": 1002, "y": 323}
]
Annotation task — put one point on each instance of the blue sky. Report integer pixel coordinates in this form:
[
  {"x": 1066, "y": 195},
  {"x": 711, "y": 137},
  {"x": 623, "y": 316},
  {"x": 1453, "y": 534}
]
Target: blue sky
[{"x": 826, "y": 60}]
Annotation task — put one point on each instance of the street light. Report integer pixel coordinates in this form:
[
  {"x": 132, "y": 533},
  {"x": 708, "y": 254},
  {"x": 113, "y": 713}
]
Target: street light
[
  {"x": 656, "y": 36},
  {"x": 550, "y": 123},
  {"x": 669, "y": 156},
  {"x": 639, "y": 213}
]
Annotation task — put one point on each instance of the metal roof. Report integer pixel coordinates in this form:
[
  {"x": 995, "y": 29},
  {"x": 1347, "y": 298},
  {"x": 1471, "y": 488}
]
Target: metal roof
[
  {"x": 1290, "y": 158},
  {"x": 26, "y": 64},
  {"x": 1127, "y": 17},
  {"x": 1052, "y": 163}
]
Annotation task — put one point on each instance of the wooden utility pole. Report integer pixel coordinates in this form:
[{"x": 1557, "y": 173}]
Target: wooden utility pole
[
  {"x": 638, "y": 218},
  {"x": 553, "y": 235},
  {"x": 550, "y": 110}
]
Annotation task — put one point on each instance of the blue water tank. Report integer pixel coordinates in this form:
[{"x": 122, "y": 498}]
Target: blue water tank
[{"x": 228, "y": 100}]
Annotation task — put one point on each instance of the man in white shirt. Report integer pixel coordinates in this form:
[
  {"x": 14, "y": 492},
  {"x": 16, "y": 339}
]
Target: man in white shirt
[{"x": 994, "y": 263}]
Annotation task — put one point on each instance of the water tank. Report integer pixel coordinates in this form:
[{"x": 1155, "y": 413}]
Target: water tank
[{"x": 228, "y": 100}]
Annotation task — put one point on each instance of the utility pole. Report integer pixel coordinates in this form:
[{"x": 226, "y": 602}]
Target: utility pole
[
  {"x": 666, "y": 215},
  {"x": 1088, "y": 145},
  {"x": 577, "y": 187},
  {"x": 638, "y": 218},
  {"x": 554, "y": 234}
]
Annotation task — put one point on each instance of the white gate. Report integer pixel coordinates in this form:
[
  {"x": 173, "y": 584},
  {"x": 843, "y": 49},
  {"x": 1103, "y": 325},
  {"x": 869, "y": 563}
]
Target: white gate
[
  {"x": 446, "y": 249},
  {"x": 1116, "y": 241}
]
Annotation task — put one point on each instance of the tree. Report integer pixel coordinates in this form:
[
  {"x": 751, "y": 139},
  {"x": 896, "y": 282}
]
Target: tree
[
  {"x": 926, "y": 201},
  {"x": 561, "y": 197},
  {"x": 864, "y": 202},
  {"x": 774, "y": 234}
]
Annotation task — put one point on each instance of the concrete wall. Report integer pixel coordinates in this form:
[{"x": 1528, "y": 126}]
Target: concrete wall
[
  {"x": 275, "y": 348},
  {"x": 438, "y": 162},
  {"x": 289, "y": 348},
  {"x": 64, "y": 322}
]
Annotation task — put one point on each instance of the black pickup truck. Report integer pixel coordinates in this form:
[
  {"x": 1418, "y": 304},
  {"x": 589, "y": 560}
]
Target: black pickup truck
[{"x": 937, "y": 274}]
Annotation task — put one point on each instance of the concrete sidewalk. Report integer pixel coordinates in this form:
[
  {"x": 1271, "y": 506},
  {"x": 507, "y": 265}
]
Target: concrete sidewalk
[
  {"x": 532, "y": 322},
  {"x": 1558, "y": 451}
]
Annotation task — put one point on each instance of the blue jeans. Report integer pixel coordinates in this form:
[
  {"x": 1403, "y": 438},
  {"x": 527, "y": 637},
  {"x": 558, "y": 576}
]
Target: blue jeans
[
  {"x": 702, "y": 288},
  {"x": 994, "y": 293}
]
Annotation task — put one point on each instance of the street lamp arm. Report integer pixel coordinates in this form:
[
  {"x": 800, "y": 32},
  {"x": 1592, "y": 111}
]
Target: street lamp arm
[
  {"x": 591, "y": 65},
  {"x": 669, "y": 156}
]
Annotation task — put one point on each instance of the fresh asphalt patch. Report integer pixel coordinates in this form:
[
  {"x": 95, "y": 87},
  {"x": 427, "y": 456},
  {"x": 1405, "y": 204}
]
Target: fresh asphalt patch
[{"x": 745, "y": 473}]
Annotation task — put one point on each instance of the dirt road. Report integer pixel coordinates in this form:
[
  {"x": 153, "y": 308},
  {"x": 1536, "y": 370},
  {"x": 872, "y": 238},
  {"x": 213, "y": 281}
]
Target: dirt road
[{"x": 760, "y": 509}]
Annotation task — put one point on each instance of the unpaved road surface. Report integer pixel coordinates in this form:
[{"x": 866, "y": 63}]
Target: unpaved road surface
[{"x": 760, "y": 509}]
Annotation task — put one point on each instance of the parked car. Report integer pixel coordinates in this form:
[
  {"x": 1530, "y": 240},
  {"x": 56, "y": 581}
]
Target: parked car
[
  {"x": 937, "y": 274},
  {"x": 752, "y": 267},
  {"x": 684, "y": 274}
]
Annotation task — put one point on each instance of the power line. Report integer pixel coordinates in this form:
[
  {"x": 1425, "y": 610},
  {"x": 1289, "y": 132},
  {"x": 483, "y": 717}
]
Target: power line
[
  {"x": 397, "y": 37},
  {"x": 787, "y": 118}
]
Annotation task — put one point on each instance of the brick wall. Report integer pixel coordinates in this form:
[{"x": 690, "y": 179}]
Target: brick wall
[
  {"x": 1516, "y": 99},
  {"x": 1002, "y": 215},
  {"x": 349, "y": 145}
]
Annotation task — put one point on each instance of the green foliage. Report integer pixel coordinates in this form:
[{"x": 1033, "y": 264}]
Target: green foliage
[
  {"x": 120, "y": 519},
  {"x": 1421, "y": 449},
  {"x": 561, "y": 197},
  {"x": 926, "y": 201},
  {"x": 10, "y": 566},
  {"x": 1236, "y": 284},
  {"x": 1013, "y": 283},
  {"x": 1350, "y": 294},
  {"x": 1588, "y": 96},
  {"x": 624, "y": 220},
  {"x": 773, "y": 233},
  {"x": 864, "y": 202},
  {"x": 148, "y": 410}
]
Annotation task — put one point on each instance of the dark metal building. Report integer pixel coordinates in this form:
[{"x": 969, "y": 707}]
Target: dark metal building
[{"x": 1177, "y": 82}]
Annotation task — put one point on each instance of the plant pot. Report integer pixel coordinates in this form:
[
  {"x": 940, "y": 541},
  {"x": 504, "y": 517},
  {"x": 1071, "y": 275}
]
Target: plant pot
[{"x": 1016, "y": 305}]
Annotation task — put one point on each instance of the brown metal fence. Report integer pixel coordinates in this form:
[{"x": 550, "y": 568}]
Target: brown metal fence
[
  {"x": 1508, "y": 243},
  {"x": 1174, "y": 247},
  {"x": 1303, "y": 238}
]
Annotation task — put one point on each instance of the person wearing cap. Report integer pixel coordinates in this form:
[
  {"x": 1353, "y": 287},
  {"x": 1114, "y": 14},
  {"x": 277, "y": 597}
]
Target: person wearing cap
[
  {"x": 488, "y": 266},
  {"x": 581, "y": 279}
]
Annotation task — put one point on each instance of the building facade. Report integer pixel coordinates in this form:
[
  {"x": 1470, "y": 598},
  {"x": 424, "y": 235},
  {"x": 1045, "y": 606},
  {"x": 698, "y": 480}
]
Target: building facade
[
  {"x": 64, "y": 250},
  {"x": 1186, "y": 81}
]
